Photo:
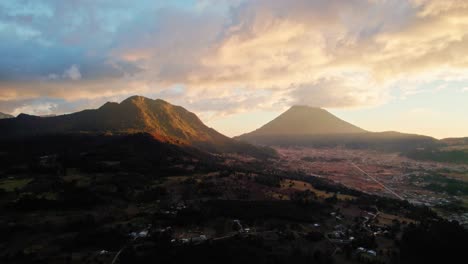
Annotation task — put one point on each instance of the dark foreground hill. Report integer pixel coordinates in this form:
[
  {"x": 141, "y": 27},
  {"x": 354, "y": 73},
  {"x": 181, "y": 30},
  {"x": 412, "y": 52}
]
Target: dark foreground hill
[
  {"x": 315, "y": 127},
  {"x": 163, "y": 121},
  {"x": 136, "y": 153}
]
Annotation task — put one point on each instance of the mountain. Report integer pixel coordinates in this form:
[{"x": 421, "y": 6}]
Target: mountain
[
  {"x": 456, "y": 142},
  {"x": 3, "y": 115},
  {"x": 304, "y": 120},
  {"x": 316, "y": 127},
  {"x": 166, "y": 122},
  {"x": 163, "y": 121}
]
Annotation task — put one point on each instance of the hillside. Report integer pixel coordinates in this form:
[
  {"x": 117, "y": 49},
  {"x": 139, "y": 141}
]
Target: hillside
[
  {"x": 450, "y": 150},
  {"x": 315, "y": 127},
  {"x": 455, "y": 143},
  {"x": 3, "y": 115},
  {"x": 162, "y": 120}
]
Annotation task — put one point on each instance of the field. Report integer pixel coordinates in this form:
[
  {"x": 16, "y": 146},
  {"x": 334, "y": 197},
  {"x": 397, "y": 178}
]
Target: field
[
  {"x": 11, "y": 185},
  {"x": 305, "y": 186},
  {"x": 310, "y": 204},
  {"x": 392, "y": 175}
]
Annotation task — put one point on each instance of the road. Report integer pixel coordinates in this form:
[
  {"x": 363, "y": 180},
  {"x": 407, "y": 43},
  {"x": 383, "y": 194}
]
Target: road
[{"x": 378, "y": 182}]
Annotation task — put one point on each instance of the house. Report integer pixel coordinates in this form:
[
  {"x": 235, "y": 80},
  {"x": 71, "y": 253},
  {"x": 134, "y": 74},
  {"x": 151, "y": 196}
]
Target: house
[
  {"x": 239, "y": 225},
  {"x": 142, "y": 234},
  {"x": 341, "y": 228},
  {"x": 198, "y": 239},
  {"x": 336, "y": 234},
  {"x": 361, "y": 250}
]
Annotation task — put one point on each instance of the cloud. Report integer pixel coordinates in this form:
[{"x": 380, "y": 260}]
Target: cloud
[
  {"x": 338, "y": 93},
  {"x": 296, "y": 45},
  {"x": 72, "y": 73},
  {"x": 422, "y": 113},
  {"x": 230, "y": 56},
  {"x": 35, "y": 109}
]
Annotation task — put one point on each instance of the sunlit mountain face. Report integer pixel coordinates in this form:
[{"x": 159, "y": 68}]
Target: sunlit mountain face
[
  {"x": 233, "y": 131},
  {"x": 383, "y": 65},
  {"x": 158, "y": 119}
]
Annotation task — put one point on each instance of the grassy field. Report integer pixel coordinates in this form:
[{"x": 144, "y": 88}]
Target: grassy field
[
  {"x": 461, "y": 176},
  {"x": 80, "y": 179},
  {"x": 464, "y": 201},
  {"x": 303, "y": 186},
  {"x": 387, "y": 219},
  {"x": 48, "y": 196},
  {"x": 10, "y": 185}
]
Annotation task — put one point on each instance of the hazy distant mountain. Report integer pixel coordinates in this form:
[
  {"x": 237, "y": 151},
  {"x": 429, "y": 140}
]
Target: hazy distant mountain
[
  {"x": 164, "y": 121},
  {"x": 3, "y": 115},
  {"x": 455, "y": 141},
  {"x": 316, "y": 127},
  {"x": 305, "y": 120}
]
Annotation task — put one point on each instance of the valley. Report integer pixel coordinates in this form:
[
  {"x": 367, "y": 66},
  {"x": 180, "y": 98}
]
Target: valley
[
  {"x": 308, "y": 204},
  {"x": 434, "y": 184},
  {"x": 157, "y": 185},
  {"x": 233, "y": 132}
]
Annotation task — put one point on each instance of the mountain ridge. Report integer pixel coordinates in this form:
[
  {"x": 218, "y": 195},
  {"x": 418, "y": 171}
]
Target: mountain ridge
[{"x": 136, "y": 114}]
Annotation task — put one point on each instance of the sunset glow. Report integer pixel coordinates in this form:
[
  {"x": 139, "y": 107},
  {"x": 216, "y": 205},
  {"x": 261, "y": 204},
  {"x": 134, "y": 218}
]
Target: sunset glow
[{"x": 383, "y": 64}]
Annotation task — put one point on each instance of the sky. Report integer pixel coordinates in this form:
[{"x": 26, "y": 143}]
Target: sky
[{"x": 383, "y": 65}]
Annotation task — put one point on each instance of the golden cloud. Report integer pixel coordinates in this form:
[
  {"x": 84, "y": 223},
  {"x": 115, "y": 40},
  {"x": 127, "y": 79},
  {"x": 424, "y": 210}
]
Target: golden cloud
[{"x": 333, "y": 53}]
